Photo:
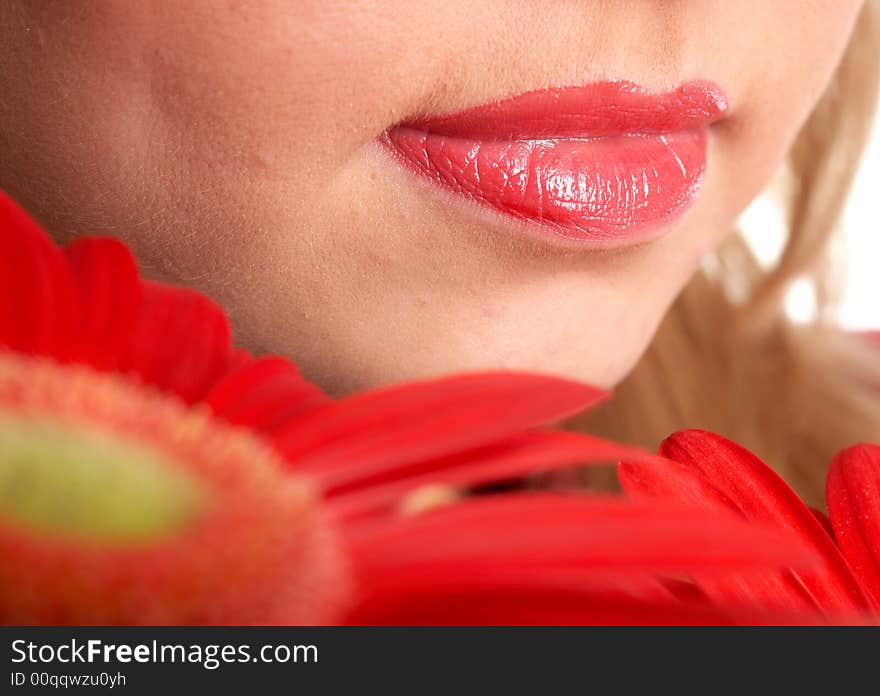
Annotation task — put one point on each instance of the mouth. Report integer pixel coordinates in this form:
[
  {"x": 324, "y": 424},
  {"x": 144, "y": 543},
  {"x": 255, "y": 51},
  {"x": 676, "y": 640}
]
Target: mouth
[{"x": 609, "y": 163}]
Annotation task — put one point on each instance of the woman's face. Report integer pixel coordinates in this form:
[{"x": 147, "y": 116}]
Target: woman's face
[{"x": 238, "y": 147}]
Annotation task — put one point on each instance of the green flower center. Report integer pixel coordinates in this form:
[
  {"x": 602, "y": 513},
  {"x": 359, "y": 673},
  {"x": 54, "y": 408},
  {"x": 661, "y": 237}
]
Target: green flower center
[{"x": 80, "y": 481}]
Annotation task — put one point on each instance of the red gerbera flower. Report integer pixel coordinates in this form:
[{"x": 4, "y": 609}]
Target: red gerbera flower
[
  {"x": 707, "y": 471},
  {"x": 119, "y": 502},
  {"x": 149, "y": 473}
]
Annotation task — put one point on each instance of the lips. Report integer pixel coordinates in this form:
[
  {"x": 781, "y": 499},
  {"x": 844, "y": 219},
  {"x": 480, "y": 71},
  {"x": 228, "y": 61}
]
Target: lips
[{"x": 608, "y": 162}]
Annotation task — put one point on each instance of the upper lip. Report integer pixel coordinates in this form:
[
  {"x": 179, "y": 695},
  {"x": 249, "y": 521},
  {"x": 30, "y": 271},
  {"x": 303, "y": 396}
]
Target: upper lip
[{"x": 600, "y": 109}]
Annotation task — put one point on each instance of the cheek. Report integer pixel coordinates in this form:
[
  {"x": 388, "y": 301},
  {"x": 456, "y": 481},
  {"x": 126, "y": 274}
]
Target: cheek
[
  {"x": 235, "y": 86},
  {"x": 787, "y": 55},
  {"x": 276, "y": 77},
  {"x": 135, "y": 117},
  {"x": 777, "y": 57}
]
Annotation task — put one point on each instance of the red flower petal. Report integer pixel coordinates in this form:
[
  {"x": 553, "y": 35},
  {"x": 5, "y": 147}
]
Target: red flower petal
[
  {"x": 543, "y": 530},
  {"x": 551, "y": 559},
  {"x": 180, "y": 343},
  {"x": 853, "y": 493},
  {"x": 110, "y": 293},
  {"x": 424, "y": 420},
  {"x": 38, "y": 302},
  {"x": 239, "y": 358},
  {"x": 824, "y": 520},
  {"x": 360, "y": 489},
  {"x": 417, "y": 599},
  {"x": 264, "y": 394},
  {"x": 714, "y": 473}
]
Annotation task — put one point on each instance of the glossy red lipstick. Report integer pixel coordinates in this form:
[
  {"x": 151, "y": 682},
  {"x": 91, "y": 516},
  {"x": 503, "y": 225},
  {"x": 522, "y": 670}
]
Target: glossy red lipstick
[{"x": 607, "y": 162}]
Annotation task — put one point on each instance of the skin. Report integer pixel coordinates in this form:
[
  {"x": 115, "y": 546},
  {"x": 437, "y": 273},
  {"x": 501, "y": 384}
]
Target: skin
[{"x": 232, "y": 145}]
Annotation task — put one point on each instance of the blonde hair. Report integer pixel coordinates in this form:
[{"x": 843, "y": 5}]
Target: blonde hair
[{"x": 728, "y": 359}]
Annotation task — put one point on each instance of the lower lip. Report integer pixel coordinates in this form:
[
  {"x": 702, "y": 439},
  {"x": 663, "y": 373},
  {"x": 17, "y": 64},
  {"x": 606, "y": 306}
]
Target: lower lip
[{"x": 606, "y": 185}]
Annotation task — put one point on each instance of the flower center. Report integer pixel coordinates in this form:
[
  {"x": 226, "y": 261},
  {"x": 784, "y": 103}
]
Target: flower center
[
  {"x": 88, "y": 456},
  {"x": 121, "y": 505},
  {"x": 81, "y": 481}
]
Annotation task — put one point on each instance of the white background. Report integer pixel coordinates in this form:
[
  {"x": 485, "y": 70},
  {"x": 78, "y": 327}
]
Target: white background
[{"x": 861, "y": 308}]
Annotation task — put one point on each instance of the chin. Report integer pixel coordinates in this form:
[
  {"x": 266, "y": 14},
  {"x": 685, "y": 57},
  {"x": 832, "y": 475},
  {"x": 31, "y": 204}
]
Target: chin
[{"x": 587, "y": 364}]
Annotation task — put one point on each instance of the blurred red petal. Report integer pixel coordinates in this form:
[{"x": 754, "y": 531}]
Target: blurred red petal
[
  {"x": 421, "y": 600},
  {"x": 180, "y": 342},
  {"x": 714, "y": 473},
  {"x": 824, "y": 520},
  {"x": 239, "y": 358},
  {"x": 38, "y": 303},
  {"x": 573, "y": 531},
  {"x": 110, "y": 292},
  {"x": 264, "y": 394},
  {"x": 550, "y": 559},
  {"x": 853, "y": 493},
  {"x": 425, "y": 420},
  {"x": 360, "y": 489}
]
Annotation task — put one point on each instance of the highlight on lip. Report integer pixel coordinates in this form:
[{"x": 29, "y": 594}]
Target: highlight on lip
[{"x": 606, "y": 162}]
